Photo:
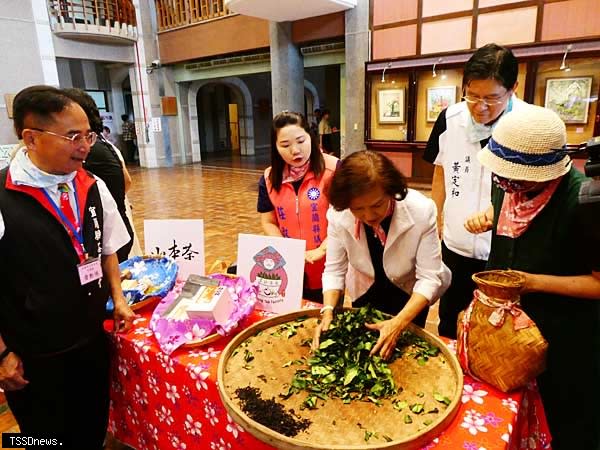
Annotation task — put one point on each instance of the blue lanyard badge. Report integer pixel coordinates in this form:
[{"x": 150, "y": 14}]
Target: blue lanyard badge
[{"x": 66, "y": 222}]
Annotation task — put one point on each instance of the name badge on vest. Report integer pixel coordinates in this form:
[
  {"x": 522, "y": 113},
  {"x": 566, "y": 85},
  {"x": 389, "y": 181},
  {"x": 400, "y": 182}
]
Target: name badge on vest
[{"x": 89, "y": 270}]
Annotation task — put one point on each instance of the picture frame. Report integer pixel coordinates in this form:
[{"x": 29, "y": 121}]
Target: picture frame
[
  {"x": 569, "y": 98},
  {"x": 390, "y": 106},
  {"x": 8, "y": 101},
  {"x": 439, "y": 98}
]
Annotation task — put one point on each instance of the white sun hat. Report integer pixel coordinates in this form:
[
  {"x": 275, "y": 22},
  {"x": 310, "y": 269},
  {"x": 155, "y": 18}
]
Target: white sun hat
[{"x": 528, "y": 144}]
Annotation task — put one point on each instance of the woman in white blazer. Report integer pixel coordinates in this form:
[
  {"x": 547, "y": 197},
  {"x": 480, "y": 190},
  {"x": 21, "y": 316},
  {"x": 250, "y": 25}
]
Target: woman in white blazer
[{"x": 383, "y": 246}]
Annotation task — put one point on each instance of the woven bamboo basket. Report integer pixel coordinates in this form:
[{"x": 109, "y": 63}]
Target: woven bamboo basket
[
  {"x": 335, "y": 425},
  {"x": 499, "y": 355}
]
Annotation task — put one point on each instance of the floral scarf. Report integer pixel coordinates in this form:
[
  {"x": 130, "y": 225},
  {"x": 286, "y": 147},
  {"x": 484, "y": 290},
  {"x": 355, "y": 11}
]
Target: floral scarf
[
  {"x": 518, "y": 211},
  {"x": 291, "y": 173}
]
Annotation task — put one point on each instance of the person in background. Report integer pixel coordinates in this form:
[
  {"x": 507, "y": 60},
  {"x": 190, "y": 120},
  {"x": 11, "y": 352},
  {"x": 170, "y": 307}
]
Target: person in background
[
  {"x": 129, "y": 138},
  {"x": 107, "y": 135},
  {"x": 104, "y": 162},
  {"x": 383, "y": 246},
  {"x": 460, "y": 184},
  {"x": 59, "y": 233},
  {"x": 537, "y": 229},
  {"x": 326, "y": 132},
  {"x": 314, "y": 125},
  {"x": 291, "y": 194}
]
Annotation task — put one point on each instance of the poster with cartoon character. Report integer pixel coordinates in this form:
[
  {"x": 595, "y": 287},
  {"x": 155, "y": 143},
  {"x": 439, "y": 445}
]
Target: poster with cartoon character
[{"x": 276, "y": 266}]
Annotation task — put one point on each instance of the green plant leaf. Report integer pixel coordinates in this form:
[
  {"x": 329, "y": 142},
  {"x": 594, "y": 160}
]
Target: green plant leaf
[{"x": 417, "y": 408}]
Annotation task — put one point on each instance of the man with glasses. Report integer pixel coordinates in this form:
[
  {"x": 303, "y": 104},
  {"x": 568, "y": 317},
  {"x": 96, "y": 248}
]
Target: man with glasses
[
  {"x": 59, "y": 233},
  {"x": 461, "y": 186}
]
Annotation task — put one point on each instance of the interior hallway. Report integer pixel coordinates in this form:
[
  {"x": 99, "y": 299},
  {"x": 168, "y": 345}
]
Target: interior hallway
[{"x": 225, "y": 197}]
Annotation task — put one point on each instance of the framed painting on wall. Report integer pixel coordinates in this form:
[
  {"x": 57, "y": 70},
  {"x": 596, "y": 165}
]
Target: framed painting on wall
[
  {"x": 569, "y": 98},
  {"x": 390, "y": 105},
  {"x": 439, "y": 98}
]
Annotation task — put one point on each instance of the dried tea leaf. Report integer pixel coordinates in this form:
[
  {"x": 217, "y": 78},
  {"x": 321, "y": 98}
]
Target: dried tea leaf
[
  {"x": 248, "y": 356},
  {"x": 417, "y": 408},
  {"x": 441, "y": 398},
  {"x": 399, "y": 405}
]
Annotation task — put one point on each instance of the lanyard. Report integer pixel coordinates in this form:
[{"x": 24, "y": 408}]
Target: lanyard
[{"x": 66, "y": 222}]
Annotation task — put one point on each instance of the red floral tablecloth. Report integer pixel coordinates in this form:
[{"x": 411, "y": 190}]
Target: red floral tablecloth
[{"x": 161, "y": 402}]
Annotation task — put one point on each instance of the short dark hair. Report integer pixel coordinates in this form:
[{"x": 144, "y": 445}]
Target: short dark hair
[
  {"x": 360, "y": 173},
  {"x": 494, "y": 62},
  {"x": 39, "y": 101},
  {"x": 88, "y": 105},
  {"x": 317, "y": 163},
  {"x": 124, "y": 117}
]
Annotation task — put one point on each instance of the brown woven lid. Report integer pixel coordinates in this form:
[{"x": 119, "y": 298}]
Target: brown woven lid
[{"x": 502, "y": 284}]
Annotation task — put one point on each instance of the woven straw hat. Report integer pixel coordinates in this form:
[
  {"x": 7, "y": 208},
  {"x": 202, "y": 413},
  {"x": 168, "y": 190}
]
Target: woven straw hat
[{"x": 527, "y": 144}]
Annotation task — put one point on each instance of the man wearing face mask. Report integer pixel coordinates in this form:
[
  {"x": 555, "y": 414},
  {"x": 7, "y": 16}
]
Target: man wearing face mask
[
  {"x": 461, "y": 185},
  {"x": 536, "y": 229}
]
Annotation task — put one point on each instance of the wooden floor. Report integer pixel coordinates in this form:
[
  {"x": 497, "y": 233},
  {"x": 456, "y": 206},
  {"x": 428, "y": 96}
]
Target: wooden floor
[{"x": 225, "y": 197}]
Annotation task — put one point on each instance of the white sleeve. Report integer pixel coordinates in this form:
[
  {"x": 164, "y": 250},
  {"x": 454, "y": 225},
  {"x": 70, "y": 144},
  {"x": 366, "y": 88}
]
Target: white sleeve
[
  {"x": 336, "y": 260},
  {"x": 433, "y": 277},
  {"x": 114, "y": 234},
  {"x": 439, "y": 159}
]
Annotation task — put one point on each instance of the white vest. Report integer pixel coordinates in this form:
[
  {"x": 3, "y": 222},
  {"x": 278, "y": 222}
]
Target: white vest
[{"x": 468, "y": 184}]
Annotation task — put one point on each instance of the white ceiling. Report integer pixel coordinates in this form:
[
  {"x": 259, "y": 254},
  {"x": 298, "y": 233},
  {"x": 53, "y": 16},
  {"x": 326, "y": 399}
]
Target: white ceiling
[{"x": 288, "y": 10}]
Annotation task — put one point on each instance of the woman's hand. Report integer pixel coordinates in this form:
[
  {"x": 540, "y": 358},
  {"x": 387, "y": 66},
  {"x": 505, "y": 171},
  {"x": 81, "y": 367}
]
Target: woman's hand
[
  {"x": 326, "y": 319},
  {"x": 314, "y": 255},
  {"x": 480, "y": 222},
  {"x": 389, "y": 333}
]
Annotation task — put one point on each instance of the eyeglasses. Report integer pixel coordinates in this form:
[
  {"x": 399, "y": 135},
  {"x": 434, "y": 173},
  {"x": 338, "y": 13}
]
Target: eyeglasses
[
  {"x": 474, "y": 100},
  {"x": 77, "y": 139}
]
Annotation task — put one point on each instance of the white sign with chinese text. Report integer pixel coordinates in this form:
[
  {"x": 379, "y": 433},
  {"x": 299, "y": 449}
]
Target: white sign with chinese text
[
  {"x": 276, "y": 265},
  {"x": 182, "y": 240}
]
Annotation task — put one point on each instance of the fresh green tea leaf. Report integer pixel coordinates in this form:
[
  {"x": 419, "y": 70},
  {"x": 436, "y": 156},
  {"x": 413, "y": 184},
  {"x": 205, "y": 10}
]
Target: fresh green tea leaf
[{"x": 417, "y": 408}]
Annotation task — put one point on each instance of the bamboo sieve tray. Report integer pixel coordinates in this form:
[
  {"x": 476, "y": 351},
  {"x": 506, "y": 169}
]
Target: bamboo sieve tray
[{"x": 335, "y": 425}]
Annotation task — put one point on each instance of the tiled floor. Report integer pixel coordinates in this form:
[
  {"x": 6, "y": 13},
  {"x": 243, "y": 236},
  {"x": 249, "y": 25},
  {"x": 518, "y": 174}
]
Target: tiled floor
[{"x": 225, "y": 197}]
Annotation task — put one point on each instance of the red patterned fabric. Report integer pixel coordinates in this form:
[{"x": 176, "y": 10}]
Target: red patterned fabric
[{"x": 160, "y": 402}]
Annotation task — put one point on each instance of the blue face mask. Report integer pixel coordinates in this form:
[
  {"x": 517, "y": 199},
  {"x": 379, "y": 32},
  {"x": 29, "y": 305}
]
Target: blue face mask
[{"x": 477, "y": 132}]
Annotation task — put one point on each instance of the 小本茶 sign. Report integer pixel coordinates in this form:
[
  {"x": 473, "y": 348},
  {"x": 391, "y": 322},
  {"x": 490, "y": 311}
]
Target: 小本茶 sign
[{"x": 180, "y": 239}]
